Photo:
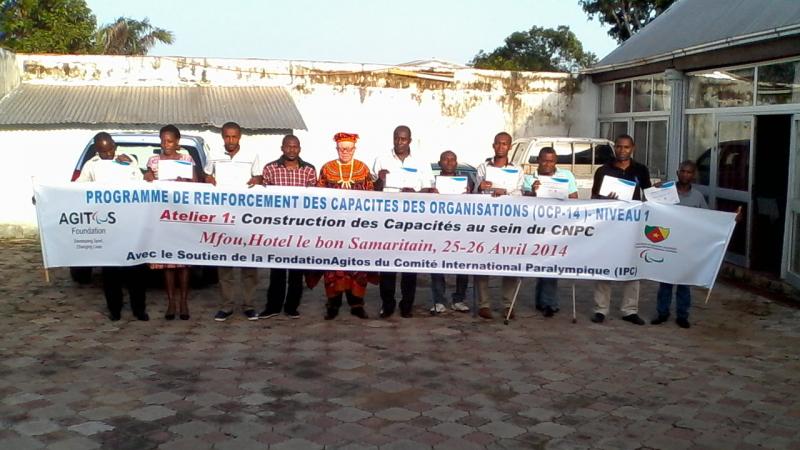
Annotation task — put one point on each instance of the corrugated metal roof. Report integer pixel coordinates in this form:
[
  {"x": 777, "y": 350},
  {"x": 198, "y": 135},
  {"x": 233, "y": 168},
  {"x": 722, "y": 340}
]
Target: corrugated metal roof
[
  {"x": 694, "y": 23},
  {"x": 250, "y": 107}
]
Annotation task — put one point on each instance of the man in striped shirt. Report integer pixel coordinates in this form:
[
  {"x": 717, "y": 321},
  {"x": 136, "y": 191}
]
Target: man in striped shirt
[{"x": 288, "y": 170}]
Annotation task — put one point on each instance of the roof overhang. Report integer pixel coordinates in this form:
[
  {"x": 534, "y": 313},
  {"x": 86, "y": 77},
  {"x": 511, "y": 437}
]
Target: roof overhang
[{"x": 252, "y": 107}]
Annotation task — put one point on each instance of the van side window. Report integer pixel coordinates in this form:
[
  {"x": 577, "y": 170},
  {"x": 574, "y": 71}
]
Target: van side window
[
  {"x": 583, "y": 152},
  {"x": 603, "y": 154},
  {"x": 563, "y": 153}
]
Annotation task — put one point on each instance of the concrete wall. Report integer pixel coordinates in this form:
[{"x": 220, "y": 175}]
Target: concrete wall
[
  {"x": 460, "y": 109},
  {"x": 9, "y": 74}
]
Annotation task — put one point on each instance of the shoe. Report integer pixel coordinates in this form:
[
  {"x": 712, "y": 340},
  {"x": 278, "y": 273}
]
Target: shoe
[
  {"x": 539, "y": 307},
  {"x": 385, "y": 313},
  {"x": 406, "y": 314},
  {"x": 185, "y": 316},
  {"x": 485, "y": 313},
  {"x": 659, "y": 320},
  {"x": 114, "y": 316},
  {"x": 266, "y": 315},
  {"x": 251, "y": 314},
  {"x": 548, "y": 311},
  {"x": 634, "y": 319},
  {"x": 144, "y": 317},
  {"x": 331, "y": 313},
  {"x": 359, "y": 312},
  {"x": 222, "y": 316},
  {"x": 460, "y": 307},
  {"x": 293, "y": 314},
  {"x": 169, "y": 316},
  {"x": 683, "y": 323},
  {"x": 506, "y": 314},
  {"x": 438, "y": 309},
  {"x": 598, "y": 317}
]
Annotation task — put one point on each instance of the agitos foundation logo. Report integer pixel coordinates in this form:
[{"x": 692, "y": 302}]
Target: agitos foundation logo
[
  {"x": 656, "y": 234},
  {"x": 87, "y": 218}
]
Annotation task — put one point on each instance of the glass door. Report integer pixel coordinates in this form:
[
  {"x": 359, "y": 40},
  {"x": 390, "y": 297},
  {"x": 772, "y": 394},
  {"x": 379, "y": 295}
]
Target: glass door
[
  {"x": 732, "y": 175},
  {"x": 791, "y": 249}
]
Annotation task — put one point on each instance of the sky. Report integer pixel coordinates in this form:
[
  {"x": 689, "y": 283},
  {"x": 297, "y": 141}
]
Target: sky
[{"x": 362, "y": 31}]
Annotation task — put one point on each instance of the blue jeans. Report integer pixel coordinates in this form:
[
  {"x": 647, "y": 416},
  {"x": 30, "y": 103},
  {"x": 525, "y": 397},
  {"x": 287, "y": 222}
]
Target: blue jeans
[
  {"x": 546, "y": 293},
  {"x": 438, "y": 288},
  {"x": 683, "y": 300}
]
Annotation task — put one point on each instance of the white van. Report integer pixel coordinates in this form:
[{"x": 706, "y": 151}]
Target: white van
[{"x": 580, "y": 155}]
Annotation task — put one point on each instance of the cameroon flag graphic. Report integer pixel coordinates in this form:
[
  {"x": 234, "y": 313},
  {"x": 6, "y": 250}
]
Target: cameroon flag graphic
[{"x": 656, "y": 234}]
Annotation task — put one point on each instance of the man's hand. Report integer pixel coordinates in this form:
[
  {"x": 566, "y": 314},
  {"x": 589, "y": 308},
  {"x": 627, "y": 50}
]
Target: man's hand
[
  {"x": 255, "y": 181},
  {"x": 382, "y": 175},
  {"x": 485, "y": 185},
  {"x": 432, "y": 190},
  {"x": 536, "y": 185},
  {"x": 497, "y": 192},
  {"x": 658, "y": 184},
  {"x": 211, "y": 180},
  {"x": 612, "y": 196},
  {"x": 739, "y": 215},
  {"x": 149, "y": 176},
  {"x": 407, "y": 189},
  {"x": 123, "y": 158}
]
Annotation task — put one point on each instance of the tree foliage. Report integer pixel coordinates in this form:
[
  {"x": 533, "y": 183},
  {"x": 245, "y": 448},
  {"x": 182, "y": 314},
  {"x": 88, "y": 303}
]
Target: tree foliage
[
  {"x": 626, "y": 17},
  {"x": 538, "y": 49},
  {"x": 46, "y": 26},
  {"x": 129, "y": 36},
  {"x": 68, "y": 26}
]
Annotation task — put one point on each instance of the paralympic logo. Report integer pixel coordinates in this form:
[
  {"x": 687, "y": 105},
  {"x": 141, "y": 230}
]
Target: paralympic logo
[{"x": 645, "y": 255}]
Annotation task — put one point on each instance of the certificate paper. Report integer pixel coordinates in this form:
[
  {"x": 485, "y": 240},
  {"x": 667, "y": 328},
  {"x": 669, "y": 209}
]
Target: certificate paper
[
  {"x": 667, "y": 193},
  {"x": 111, "y": 170},
  {"x": 504, "y": 178},
  {"x": 230, "y": 173},
  {"x": 552, "y": 187},
  {"x": 623, "y": 188},
  {"x": 451, "y": 185},
  {"x": 171, "y": 169},
  {"x": 404, "y": 178}
]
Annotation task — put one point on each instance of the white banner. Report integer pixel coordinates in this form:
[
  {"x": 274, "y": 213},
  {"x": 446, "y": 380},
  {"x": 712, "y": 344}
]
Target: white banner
[{"x": 94, "y": 224}]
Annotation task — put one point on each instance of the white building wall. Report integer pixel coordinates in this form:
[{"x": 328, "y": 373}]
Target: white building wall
[{"x": 462, "y": 114}]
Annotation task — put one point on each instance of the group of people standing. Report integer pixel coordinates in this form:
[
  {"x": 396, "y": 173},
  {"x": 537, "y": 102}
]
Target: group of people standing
[{"x": 345, "y": 172}]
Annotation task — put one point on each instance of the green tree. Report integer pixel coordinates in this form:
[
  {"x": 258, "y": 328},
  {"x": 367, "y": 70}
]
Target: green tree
[
  {"x": 538, "y": 49},
  {"x": 626, "y": 17},
  {"x": 46, "y": 26},
  {"x": 129, "y": 36}
]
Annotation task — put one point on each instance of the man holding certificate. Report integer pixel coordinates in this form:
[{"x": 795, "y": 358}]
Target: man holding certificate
[
  {"x": 106, "y": 166},
  {"x": 623, "y": 178},
  {"x": 400, "y": 171},
  {"x": 498, "y": 176},
  {"x": 549, "y": 182},
  {"x": 450, "y": 182},
  {"x": 235, "y": 168}
]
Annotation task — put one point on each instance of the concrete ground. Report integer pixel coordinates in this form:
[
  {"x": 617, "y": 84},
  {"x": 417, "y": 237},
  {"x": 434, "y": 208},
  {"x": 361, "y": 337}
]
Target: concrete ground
[{"x": 71, "y": 379}]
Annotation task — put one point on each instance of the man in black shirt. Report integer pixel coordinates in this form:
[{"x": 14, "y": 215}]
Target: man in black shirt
[{"x": 626, "y": 168}]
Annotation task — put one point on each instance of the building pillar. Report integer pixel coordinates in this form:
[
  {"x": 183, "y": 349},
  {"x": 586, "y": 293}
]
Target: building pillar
[{"x": 676, "y": 133}]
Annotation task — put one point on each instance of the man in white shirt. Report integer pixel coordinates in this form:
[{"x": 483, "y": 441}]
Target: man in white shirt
[
  {"x": 501, "y": 146},
  {"x": 114, "y": 277},
  {"x": 235, "y": 168},
  {"x": 406, "y": 173}
]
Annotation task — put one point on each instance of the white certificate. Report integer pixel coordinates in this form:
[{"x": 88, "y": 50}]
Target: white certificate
[
  {"x": 505, "y": 178},
  {"x": 112, "y": 171},
  {"x": 406, "y": 177},
  {"x": 451, "y": 185},
  {"x": 667, "y": 193},
  {"x": 171, "y": 169},
  {"x": 552, "y": 187},
  {"x": 623, "y": 188},
  {"x": 232, "y": 173}
]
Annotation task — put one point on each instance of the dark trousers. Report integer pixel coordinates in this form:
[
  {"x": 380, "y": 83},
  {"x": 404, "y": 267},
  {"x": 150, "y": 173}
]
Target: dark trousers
[
  {"x": 352, "y": 300},
  {"x": 134, "y": 277},
  {"x": 277, "y": 296},
  {"x": 408, "y": 289}
]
